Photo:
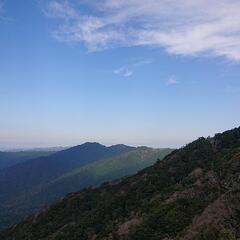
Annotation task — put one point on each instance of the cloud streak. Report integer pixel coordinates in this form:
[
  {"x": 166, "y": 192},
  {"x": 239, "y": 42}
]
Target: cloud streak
[
  {"x": 172, "y": 81},
  {"x": 181, "y": 27},
  {"x": 128, "y": 71},
  {"x": 124, "y": 71}
]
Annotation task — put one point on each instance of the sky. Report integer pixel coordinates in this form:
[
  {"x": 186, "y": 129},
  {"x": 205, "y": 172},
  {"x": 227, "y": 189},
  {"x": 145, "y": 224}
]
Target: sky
[{"x": 159, "y": 73}]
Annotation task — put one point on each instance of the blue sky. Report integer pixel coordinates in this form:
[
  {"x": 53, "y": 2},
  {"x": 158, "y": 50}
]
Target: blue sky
[{"x": 117, "y": 71}]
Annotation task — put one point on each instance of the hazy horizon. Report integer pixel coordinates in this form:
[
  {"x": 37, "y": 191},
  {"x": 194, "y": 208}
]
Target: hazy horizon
[
  {"x": 43, "y": 146},
  {"x": 114, "y": 72}
]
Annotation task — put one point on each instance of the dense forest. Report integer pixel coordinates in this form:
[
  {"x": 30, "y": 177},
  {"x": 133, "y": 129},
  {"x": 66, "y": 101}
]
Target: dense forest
[
  {"x": 31, "y": 185},
  {"x": 193, "y": 194}
]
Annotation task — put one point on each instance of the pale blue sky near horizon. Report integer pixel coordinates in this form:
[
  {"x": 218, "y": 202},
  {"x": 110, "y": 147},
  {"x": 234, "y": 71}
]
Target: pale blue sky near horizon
[{"x": 68, "y": 76}]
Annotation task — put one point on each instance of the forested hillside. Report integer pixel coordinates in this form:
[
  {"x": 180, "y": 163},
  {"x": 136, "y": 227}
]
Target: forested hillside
[
  {"x": 32, "y": 185},
  {"x": 193, "y": 194}
]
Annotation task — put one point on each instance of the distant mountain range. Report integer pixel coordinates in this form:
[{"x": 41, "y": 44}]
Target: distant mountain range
[
  {"x": 11, "y": 158},
  {"x": 35, "y": 149},
  {"x": 31, "y": 185},
  {"x": 192, "y": 194}
]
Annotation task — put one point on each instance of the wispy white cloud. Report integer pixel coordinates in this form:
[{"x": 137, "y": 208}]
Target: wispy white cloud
[
  {"x": 128, "y": 71},
  {"x": 172, "y": 81},
  {"x": 182, "y": 27},
  {"x": 124, "y": 71},
  {"x": 60, "y": 9}
]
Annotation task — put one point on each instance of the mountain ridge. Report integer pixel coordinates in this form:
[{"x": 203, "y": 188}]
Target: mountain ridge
[
  {"x": 11, "y": 158},
  {"x": 28, "y": 187},
  {"x": 198, "y": 184},
  {"x": 18, "y": 182}
]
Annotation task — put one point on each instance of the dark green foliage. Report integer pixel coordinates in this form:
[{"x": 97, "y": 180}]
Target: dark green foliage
[
  {"x": 22, "y": 185},
  {"x": 28, "y": 187},
  {"x": 193, "y": 194},
  {"x": 228, "y": 139}
]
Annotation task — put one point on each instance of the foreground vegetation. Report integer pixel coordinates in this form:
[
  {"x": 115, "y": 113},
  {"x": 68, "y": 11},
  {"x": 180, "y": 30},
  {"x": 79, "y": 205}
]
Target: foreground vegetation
[{"x": 193, "y": 194}]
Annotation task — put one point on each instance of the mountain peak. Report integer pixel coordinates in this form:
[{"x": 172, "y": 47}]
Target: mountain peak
[
  {"x": 198, "y": 184},
  {"x": 85, "y": 146},
  {"x": 92, "y": 144}
]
